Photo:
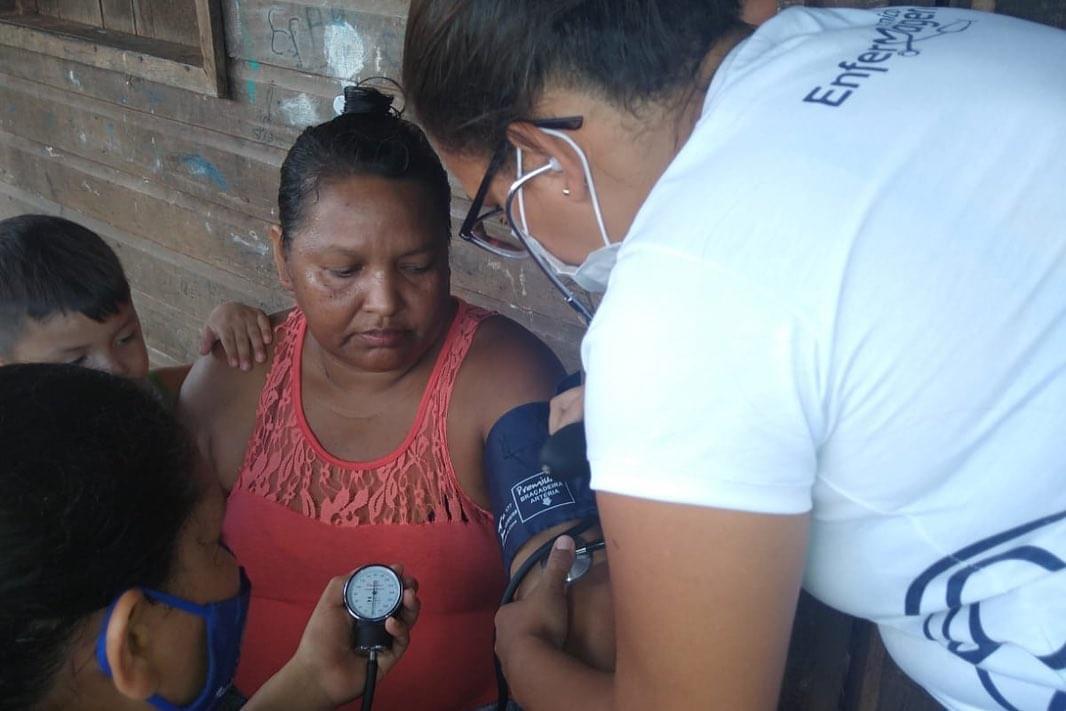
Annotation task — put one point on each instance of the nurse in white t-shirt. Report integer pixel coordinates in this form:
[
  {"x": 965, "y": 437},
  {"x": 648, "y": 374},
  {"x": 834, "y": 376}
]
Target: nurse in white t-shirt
[{"x": 832, "y": 348}]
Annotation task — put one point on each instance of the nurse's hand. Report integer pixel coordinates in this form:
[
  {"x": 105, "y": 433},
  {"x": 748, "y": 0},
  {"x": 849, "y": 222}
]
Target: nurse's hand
[
  {"x": 325, "y": 672},
  {"x": 541, "y": 615},
  {"x": 566, "y": 408}
]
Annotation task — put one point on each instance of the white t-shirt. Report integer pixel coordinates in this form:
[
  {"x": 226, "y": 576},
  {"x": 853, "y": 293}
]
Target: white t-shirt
[{"x": 847, "y": 294}]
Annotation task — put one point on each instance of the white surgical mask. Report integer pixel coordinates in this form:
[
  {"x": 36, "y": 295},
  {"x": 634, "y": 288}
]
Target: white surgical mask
[{"x": 593, "y": 273}]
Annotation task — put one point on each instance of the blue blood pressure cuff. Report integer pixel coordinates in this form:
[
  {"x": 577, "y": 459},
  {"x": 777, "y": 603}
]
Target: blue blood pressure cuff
[{"x": 525, "y": 499}]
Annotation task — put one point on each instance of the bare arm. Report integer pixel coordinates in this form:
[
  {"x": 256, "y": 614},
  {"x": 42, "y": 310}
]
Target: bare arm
[
  {"x": 704, "y": 600},
  {"x": 217, "y": 405},
  {"x": 590, "y": 611},
  {"x": 507, "y": 367},
  {"x": 170, "y": 379}
]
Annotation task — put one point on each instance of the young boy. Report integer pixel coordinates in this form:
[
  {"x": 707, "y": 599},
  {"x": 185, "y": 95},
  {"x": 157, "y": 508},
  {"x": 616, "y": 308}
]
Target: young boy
[{"x": 64, "y": 298}]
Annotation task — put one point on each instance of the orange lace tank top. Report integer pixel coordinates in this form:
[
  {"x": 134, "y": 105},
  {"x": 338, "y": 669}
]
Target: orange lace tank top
[{"x": 298, "y": 516}]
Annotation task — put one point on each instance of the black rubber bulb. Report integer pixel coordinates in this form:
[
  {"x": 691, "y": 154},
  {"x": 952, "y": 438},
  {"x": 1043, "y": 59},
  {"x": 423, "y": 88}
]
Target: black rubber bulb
[{"x": 565, "y": 455}]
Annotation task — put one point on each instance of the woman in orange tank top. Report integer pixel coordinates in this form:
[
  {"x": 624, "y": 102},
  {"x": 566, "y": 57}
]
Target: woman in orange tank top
[{"x": 361, "y": 438}]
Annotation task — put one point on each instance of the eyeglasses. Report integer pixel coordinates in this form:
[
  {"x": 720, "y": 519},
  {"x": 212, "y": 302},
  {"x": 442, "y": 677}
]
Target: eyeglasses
[{"x": 473, "y": 228}]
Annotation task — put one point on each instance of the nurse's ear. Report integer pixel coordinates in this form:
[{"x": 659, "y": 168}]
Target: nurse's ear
[
  {"x": 539, "y": 148},
  {"x": 127, "y": 645}
]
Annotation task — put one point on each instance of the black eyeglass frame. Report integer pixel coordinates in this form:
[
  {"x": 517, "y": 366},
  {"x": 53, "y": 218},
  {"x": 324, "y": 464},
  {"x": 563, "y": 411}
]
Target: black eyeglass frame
[{"x": 473, "y": 219}]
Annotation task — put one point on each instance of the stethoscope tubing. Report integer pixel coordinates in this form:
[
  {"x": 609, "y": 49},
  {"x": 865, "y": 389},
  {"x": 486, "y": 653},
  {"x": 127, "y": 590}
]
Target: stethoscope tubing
[{"x": 568, "y": 295}]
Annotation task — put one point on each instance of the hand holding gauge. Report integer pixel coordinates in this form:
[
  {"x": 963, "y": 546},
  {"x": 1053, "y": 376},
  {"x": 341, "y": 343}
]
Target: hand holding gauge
[
  {"x": 326, "y": 668},
  {"x": 372, "y": 595}
]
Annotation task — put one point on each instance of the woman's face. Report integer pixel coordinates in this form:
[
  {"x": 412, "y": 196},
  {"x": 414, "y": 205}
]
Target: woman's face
[{"x": 369, "y": 269}]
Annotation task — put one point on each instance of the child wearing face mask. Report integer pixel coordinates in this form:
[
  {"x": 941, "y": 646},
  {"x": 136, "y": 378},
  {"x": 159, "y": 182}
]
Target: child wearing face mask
[
  {"x": 64, "y": 298},
  {"x": 116, "y": 591}
]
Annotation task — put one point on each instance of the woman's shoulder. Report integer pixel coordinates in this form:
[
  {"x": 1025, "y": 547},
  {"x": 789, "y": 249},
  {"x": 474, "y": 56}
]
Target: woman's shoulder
[
  {"x": 217, "y": 402},
  {"x": 506, "y": 366},
  {"x": 214, "y": 382},
  {"x": 506, "y": 349}
]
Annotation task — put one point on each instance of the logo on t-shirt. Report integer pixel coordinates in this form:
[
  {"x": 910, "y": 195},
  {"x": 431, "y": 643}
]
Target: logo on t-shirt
[
  {"x": 993, "y": 606},
  {"x": 899, "y": 33}
]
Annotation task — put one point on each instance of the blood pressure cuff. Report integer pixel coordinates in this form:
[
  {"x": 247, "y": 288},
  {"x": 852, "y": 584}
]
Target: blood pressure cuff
[{"x": 526, "y": 500}]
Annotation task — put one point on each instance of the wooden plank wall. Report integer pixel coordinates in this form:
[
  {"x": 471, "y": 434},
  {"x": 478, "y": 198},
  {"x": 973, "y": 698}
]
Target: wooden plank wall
[
  {"x": 185, "y": 185},
  {"x": 86, "y": 11},
  {"x": 118, "y": 15},
  {"x": 1049, "y": 12},
  {"x": 173, "y": 21}
]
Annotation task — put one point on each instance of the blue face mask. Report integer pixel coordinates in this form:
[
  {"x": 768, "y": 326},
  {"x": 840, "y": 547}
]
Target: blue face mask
[{"x": 224, "y": 622}]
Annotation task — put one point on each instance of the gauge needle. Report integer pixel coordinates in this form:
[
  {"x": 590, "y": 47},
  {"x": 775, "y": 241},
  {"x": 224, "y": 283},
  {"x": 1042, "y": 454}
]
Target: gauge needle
[{"x": 373, "y": 597}]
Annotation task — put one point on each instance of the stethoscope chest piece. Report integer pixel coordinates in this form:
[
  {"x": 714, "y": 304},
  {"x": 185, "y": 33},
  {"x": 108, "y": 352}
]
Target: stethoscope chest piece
[
  {"x": 582, "y": 559},
  {"x": 372, "y": 594}
]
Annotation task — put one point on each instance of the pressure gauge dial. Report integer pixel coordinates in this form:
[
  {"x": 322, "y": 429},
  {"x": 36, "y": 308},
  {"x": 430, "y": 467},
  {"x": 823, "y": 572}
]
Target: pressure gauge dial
[{"x": 373, "y": 593}]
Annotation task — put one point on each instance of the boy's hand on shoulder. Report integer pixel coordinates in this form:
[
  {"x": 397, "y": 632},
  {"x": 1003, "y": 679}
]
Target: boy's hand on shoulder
[{"x": 243, "y": 331}]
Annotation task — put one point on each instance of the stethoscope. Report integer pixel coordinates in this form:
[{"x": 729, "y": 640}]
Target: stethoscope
[
  {"x": 372, "y": 595},
  {"x": 563, "y": 457},
  {"x": 512, "y": 193}
]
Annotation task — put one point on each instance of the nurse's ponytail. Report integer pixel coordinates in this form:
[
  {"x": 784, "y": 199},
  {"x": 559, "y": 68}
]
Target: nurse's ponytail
[{"x": 472, "y": 67}]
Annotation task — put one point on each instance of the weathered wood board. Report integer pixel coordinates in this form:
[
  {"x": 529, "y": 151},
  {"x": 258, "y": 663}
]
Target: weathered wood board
[
  {"x": 84, "y": 11},
  {"x": 172, "y": 20},
  {"x": 344, "y": 42},
  {"x": 118, "y": 15},
  {"x": 1050, "y": 12}
]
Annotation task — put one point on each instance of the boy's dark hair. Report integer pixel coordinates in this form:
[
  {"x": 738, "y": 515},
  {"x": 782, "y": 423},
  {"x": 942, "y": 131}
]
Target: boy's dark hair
[
  {"x": 369, "y": 138},
  {"x": 48, "y": 266},
  {"x": 97, "y": 481},
  {"x": 472, "y": 67}
]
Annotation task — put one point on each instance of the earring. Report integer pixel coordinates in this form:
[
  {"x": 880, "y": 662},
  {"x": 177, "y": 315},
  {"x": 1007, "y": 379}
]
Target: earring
[{"x": 566, "y": 192}]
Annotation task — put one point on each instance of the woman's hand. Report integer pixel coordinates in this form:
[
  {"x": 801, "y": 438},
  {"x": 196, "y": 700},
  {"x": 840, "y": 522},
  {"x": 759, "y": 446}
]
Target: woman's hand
[
  {"x": 326, "y": 672},
  {"x": 243, "y": 332},
  {"x": 540, "y": 617},
  {"x": 566, "y": 408}
]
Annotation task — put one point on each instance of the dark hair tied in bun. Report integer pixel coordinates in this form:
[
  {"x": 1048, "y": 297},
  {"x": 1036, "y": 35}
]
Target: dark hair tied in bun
[
  {"x": 369, "y": 138},
  {"x": 367, "y": 100}
]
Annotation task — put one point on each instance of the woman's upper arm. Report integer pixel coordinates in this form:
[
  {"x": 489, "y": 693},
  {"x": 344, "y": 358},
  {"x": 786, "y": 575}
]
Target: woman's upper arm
[
  {"x": 217, "y": 406},
  {"x": 512, "y": 367},
  {"x": 196, "y": 409},
  {"x": 172, "y": 378},
  {"x": 704, "y": 600}
]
